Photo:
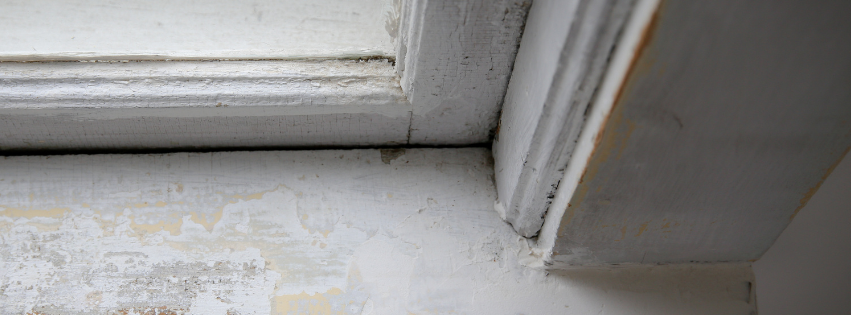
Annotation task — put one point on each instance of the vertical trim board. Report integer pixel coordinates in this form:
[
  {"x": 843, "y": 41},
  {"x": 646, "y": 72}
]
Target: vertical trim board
[{"x": 545, "y": 109}]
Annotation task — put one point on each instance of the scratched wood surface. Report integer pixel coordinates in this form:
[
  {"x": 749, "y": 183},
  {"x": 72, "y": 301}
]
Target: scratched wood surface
[
  {"x": 732, "y": 116},
  {"x": 300, "y": 232}
]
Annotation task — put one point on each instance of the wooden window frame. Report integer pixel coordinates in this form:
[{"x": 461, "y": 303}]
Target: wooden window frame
[{"x": 445, "y": 87}]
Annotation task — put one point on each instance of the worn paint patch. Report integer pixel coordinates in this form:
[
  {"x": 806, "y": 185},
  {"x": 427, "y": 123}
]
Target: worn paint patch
[
  {"x": 434, "y": 247},
  {"x": 388, "y": 155},
  {"x": 32, "y": 213}
]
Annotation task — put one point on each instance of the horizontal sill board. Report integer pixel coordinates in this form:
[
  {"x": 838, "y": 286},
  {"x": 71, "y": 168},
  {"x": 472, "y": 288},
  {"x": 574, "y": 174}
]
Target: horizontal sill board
[
  {"x": 200, "y": 105},
  {"x": 201, "y": 89},
  {"x": 182, "y": 29}
]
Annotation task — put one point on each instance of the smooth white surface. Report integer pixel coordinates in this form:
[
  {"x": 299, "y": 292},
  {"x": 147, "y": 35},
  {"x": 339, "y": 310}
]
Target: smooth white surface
[
  {"x": 186, "y": 29},
  {"x": 806, "y": 271},
  {"x": 199, "y": 104},
  {"x": 309, "y": 232},
  {"x": 547, "y": 28}
]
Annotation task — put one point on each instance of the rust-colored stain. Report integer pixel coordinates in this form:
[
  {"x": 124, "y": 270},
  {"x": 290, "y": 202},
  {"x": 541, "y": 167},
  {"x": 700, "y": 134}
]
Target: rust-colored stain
[
  {"x": 642, "y": 228},
  {"x": 809, "y": 194},
  {"x": 611, "y": 136}
]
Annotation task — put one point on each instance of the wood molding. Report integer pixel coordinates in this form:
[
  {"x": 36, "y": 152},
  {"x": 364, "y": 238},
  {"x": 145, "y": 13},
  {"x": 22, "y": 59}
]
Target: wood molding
[
  {"x": 232, "y": 104},
  {"x": 564, "y": 52},
  {"x": 714, "y": 128},
  {"x": 455, "y": 60}
]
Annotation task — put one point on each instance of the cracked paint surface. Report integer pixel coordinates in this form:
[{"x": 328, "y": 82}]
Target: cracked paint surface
[{"x": 303, "y": 232}]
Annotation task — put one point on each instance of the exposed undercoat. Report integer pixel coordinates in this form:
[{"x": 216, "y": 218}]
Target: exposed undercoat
[{"x": 300, "y": 232}]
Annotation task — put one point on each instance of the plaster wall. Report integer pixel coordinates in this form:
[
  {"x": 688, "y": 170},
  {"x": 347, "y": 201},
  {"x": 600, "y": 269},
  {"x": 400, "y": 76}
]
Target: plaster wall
[
  {"x": 806, "y": 270},
  {"x": 301, "y": 232}
]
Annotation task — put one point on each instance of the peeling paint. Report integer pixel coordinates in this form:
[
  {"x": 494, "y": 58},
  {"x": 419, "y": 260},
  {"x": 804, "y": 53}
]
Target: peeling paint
[{"x": 280, "y": 245}]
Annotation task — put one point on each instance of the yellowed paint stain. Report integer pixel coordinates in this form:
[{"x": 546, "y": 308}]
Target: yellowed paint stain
[
  {"x": 202, "y": 218},
  {"x": 303, "y": 303},
  {"x": 642, "y": 228},
  {"x": 171, "y": 228},
  {"x": 32, "y": 213},
  {"x": 623, "y": 234}
]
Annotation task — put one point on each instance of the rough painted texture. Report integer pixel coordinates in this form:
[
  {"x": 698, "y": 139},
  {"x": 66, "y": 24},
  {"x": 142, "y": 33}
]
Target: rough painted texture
[
  {"x": 732, "y": 116},
  {"x": 185, "y": 29},
  {"x": 455, "y": 64},
  {"x": 310, "y": 232},
  {"x": 565, "y": 49},
  {"x": 81, "y": 105}
]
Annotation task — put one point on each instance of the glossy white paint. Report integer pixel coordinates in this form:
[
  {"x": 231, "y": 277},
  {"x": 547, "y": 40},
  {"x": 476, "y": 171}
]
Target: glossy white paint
[{"x": 309, "y": 232}]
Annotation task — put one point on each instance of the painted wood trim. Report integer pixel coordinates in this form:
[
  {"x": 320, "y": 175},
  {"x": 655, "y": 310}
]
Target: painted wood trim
[
  {"x": 45, "y": 30},
  {"x": 719, "y": 128},
  {"x": 230, "y": 87},
  {"x": 137, "y": 105},
  {"x": 629, "y": 46},
  {"x": 538, "y": 133},
  {"x": 455, "y": 61}
]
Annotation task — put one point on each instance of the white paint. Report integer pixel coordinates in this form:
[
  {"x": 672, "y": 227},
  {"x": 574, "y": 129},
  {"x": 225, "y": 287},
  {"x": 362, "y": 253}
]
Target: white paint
[
  {"x": 628, "y": 46},
  {"x": 220, "y": 88},
  {"x": 565, "y": 49},
  {"x": 183, "y": 29},
  {"x": 681, "y": 172},
  {"x": 455, "y": 60},
  {"x": 806, "y": 270},
  {"x": 74, "y": 105},
  {"x": 534, "y": 68},
  {"x": 414, "y": 235}
]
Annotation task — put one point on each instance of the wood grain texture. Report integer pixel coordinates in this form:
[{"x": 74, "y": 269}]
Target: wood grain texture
[
  {"x": 187, "y": 30},
  {"x": 732, "y": 116},
  {"x": 300, "y": 232},
  {"x": 565, "y": 49},
  {"x": 137, "y": 105},
  {"x": 455, "y": 66}
]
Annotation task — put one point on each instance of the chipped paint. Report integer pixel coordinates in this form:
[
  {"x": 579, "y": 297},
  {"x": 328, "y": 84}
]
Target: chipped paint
[{"x": 279, "y": 245}]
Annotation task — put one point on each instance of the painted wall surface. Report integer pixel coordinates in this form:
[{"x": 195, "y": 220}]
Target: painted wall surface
[
  {"x": 301, "y": 232},
  {"x": 806, "y": 270}
]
